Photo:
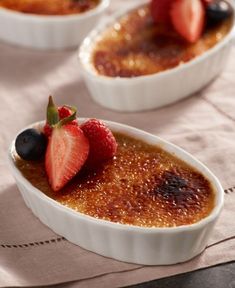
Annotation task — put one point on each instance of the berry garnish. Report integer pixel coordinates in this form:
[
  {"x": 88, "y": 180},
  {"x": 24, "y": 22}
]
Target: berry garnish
[
  {"x": 67, "y": 149},
  {"x": 47, "y": 130},
  {"x": 31, "y": 144},
  {"x": 103, "y": 145},
  {"x": 207, "y": 2},
  {"x": 218, "y": 11},
  {"x": 188, "y": 18},
  {"x": 66, "y": 153},
  {"x": 64, "y": 111},
  {"x": 160, "y": 10}
]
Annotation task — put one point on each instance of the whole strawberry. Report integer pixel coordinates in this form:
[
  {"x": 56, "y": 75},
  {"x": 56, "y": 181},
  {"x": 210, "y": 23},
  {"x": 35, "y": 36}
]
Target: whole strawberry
[
  {"x": 103, "y": 145},
  {"x": 207, "y": 2},
  {"x": 160, "y": 10},
  {"x": 64, "y": 111}
]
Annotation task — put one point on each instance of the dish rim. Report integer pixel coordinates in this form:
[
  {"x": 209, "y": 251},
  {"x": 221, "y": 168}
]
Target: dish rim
[
  {"x": 119, "y": 127},
  {"x": 55, "y": 18},
  {"x": 91, "y": 38}
]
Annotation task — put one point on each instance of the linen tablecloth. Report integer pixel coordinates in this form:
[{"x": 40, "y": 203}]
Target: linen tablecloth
[{"x": 203, "y": 124}]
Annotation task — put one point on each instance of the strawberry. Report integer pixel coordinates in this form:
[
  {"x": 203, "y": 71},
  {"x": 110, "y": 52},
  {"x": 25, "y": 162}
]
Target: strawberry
[
  {"x": 67, "y": 149},
  {"x": 207, "y": 2},
  {"x": 66, "y": 153},
  {"x": 64, "y": 111},
  {"x": 188, "y": 18},
  {"x": 47, "y": 130},
  {"x": 160, "y": 10},
  {"x": 103, "y": 145}
]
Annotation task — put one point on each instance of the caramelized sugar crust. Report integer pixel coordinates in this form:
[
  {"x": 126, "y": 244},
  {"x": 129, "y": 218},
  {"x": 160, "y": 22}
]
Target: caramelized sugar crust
[
  {"x": 50, "y": 7},
  {"x": 143, "y": 185},
  {"x": 135, "y": 46}
]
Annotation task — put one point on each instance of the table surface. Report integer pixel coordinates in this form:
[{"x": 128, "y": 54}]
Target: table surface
[{"x": 220, "y": 276}]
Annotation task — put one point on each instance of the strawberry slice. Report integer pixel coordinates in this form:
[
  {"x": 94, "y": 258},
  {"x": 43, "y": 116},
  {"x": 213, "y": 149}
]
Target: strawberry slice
[
  {"x": 47, "y": 130},
  {"x": 66, "y": 153},
  {"x": 207, "y": 2},
  {"x": 67, "y": 149},
  {"x": 160, "y": 10},
  {"x": 188, "y": 18}
]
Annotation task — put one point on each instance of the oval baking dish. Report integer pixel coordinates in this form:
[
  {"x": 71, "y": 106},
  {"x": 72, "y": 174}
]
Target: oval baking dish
[
  {"x": 48, "y": 31},
  {"x": 148, "y": 246},
  {"x": 155, "y": 90}
]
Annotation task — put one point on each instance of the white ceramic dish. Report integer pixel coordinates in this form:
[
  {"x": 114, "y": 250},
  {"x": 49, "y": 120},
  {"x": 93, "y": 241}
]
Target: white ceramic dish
[
  {"x": 48, "y": 32},
  {"x": 149, "y": 246},
  {"x": 150, "y": 91}
]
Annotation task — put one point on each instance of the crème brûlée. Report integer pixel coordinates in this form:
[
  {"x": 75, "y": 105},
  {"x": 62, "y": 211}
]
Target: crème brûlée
[
  {"x": 50, "y": 7},
  {"x": 143, "y": 185},
  {"x": 135, "y": 45}
]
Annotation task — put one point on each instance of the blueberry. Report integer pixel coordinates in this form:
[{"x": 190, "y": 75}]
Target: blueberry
[
  {"x": 31, "y": 144},
  {"x": 218, "y": 11}
]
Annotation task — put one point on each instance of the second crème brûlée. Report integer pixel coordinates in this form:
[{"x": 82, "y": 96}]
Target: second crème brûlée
[
  {"x": 135, "y": 46},
  {"x": 142, "y": 185},
  {"x": 50, "y": 7}
]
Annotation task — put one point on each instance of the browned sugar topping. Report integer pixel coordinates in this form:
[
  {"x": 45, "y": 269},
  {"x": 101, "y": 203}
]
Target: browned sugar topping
[
  {"x": 50, "y": 7},
  {"x": 143, "y": 185},
  {"x": 135, "y": 46}
]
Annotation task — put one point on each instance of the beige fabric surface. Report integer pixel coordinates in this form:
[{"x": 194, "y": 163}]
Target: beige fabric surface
[{"x": 203, "y": 124}]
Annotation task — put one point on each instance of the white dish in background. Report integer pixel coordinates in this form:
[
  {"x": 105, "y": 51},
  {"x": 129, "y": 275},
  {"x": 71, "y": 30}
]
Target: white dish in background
[
  {"x": 148, "y": 246},
  {"x": 48, "y": 31},
  {"x": 156, "y": 90}
]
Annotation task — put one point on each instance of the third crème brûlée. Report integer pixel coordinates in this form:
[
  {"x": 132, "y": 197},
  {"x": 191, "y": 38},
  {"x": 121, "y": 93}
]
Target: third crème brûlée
[
  {"x": 50, "y": 7},
  {"x": 145, "y": 41},
  {"x": 112, "y": 176}
]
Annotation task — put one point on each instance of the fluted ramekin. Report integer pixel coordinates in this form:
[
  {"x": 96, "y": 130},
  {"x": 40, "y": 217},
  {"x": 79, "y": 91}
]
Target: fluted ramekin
[
  {"x": 149, "y": 246},
  {"x": 150, "y": 91},
  {"x": 48, "y": 31}
]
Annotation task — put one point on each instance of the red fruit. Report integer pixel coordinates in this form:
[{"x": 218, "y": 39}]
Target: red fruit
[
  {"x": 64, "y": 112},
  {"x": 207, "y": 2},
  {"x": 103, "y": 145},
  {"x": 47, "y": 130},
  {"x": 188, "y": 18},
  {"x": 66, "y": 153},
  {"x": 160, "y": 10}
]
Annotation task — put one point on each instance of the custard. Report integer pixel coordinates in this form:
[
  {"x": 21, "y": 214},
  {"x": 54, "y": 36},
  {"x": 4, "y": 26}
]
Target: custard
[
  {"x": 135, "y": 46},
  {"x": 142, "y": 185},
  {"x": 50, "y": 7}
]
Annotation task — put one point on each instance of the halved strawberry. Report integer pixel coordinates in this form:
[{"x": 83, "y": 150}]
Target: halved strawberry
[
  {"x": 103, "y": 145},
  {"x": 66, "y": 153},
  {"x": 207, "y": 2},
  {"x": 67, "y": 149},
  {"x": 188, "y": 18},
  {"x": 160, "y": 10}
]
